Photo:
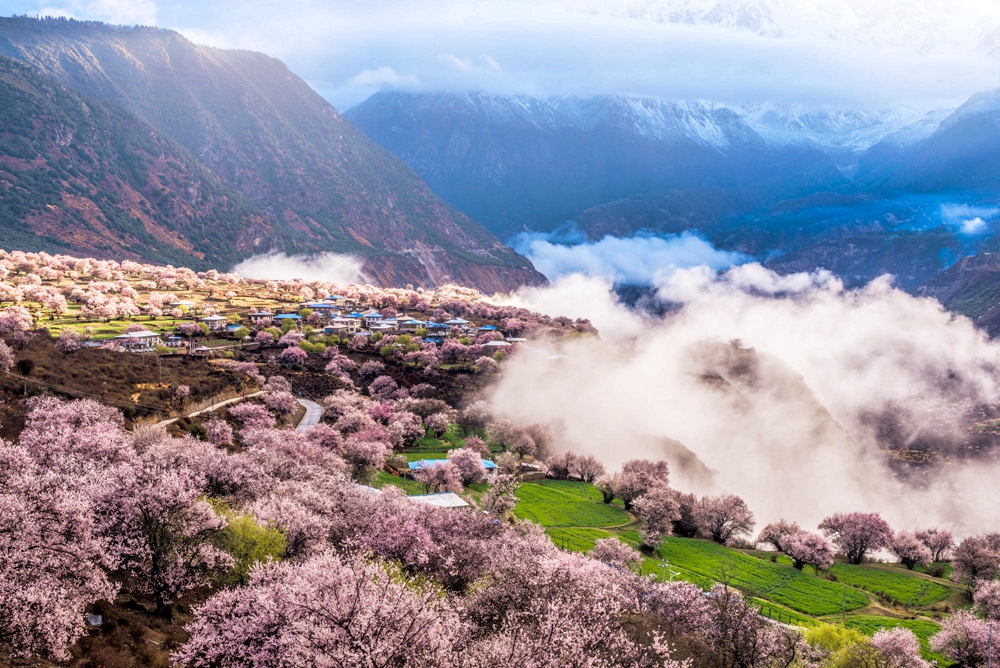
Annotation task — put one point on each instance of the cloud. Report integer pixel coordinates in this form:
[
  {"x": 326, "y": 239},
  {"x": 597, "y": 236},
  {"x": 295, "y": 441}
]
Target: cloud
[
  {"x": 640, "y": 260},
  {"x": 787, "y": 389},
  {"x": 968, "y": 219},
  {"x": 323, "y": 267},
  {"x": 384, "y": 77}
]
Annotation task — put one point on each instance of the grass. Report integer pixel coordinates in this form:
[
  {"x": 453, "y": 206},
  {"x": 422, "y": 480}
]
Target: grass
[
  {"x": 904, "y": 588},
  {"x": 577, "y": 539},
  {"x": 923, "y": 629},
  {"x": 409, "y": 486},
  {"x": 775, "y": 582},
  {"x": 568, "y": 505}
]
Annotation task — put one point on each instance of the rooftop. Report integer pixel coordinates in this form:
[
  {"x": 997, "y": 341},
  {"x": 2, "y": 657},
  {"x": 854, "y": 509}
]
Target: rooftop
[{"x": 441, "y": 499}]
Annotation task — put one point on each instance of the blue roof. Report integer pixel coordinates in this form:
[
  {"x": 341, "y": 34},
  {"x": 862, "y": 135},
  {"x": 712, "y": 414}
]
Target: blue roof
[
  {"x": 335, "y": 297},
  {"x": 287, "y": 316},
  {"x": 318, "y": 305},
  {"x": 487, "y": 328},
  {"x": 436, "y": 325},
  {"x": 431, "y": 463}
]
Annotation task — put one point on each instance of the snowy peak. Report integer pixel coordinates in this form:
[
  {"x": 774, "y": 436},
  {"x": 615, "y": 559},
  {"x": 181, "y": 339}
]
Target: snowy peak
[{"x": 852, "y": 130}]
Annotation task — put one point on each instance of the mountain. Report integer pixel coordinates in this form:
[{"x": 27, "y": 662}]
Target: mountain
[
  {"x": 519, "y": 163},
  {"x": 971, "y": 287},
  {"x": 961, "y": 155},
  {"x": 322, "y": 184},
  {"x": 76, "y": 174}
]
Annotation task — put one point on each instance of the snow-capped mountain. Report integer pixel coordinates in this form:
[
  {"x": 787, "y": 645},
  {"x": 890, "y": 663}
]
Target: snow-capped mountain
[
  {"x": 515, "y": 162},
  {"x": 827, "y": 129}
]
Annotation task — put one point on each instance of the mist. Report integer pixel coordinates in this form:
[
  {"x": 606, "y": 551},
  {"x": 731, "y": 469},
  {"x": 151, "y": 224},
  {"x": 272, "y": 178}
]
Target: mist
[
  {"x": 638, "y": 260},
  {"x": 779, "y": 389},
  {"x": 322, "y": 267}
]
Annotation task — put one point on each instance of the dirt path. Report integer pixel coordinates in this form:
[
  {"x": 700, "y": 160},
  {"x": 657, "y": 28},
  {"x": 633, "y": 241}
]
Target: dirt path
[{"x": 213, "y": 407}]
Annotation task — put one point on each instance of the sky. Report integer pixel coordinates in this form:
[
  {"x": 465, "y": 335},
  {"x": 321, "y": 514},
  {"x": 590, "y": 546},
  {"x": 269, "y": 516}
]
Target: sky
[{"x": 833, "y": 53}]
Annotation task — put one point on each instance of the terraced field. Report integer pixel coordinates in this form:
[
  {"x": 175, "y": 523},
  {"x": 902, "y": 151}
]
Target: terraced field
[
  {"x": 901, "y": 587},
  {"x": 560, "y": 503}
]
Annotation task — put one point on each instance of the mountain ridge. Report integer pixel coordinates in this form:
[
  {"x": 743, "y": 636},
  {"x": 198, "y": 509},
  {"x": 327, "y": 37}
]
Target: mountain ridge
[{"x": 250, "y": 120}]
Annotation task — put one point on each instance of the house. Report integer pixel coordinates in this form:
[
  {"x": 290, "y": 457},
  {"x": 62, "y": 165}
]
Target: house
[
  {"x": 490, "y": 467},
  {"x": 175, "y": 341},
  {"x": 140, "y": 341},
  {"x": 371, "y": 318},
  {"x": 323, "y": 308},
  {"x": 390, "y": 323},
  {"x": 184, "y": 305},
  {"x": 282, "y": 318},
  {"x": 487, "y": 328},
  {"x": 349, "y": 325},
  {"x": 214, "y": 322},
  {"x": 336, "y": 300},
  {"x": 514, "y": 339},
  {"x": 457, "y": 322},
  {"x": 410, "y": 325},
  {"x": 261, "y": 318},
  {"x": 496, "y": 344},
  {"x": 441, "y": 499}
]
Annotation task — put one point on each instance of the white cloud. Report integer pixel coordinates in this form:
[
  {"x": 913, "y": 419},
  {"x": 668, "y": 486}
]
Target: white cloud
[
  {"x": 323, "y": 267},
  {"x": 641, "y": 260},
  {"x": 384, "y": 77},
  {"x": 794, "y": 425}
]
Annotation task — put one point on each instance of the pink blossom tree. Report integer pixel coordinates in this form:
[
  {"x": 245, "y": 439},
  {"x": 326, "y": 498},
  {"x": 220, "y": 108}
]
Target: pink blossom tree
[
  {"x": 987, "y": 600},
  {"x": 293, "y": 355},
  {"x": 976, "y": 559},
  {"x": 469, "y": 464},
  {"x": 899, "y": 648},
  {"x": 438, "y": 423},
  {"x": 218, "y": 432},
  {"x": 182, "y": 392},
  {"x": 613, "y": 552},
  {"x": 910, "y": 550},
  {"x": 253, "y": 416},
  {"x": 158, "y": 527},
  {"x": 638, "y": 476},
  {"x": 587, "y": 468},
  {"x": 776, "y": 533},
  {"x": 382, "y": 387},
  {"x": 807, "y": 548},
  {"x": 560, "y": 464},
  {"x": 938, "y": 541},
  {"x": 444, "y": 476},
  {"x": 281, "y": 402},
  {"x": 659, "y": 510},
  {"x": 68, "y": 341},
  {"x": 963, "y": 639},
  {"x": 725, "y": 517},
  {"x": 326, "y": 611},
  {"x": 501, "y": 498},
  {"x": 52, "y": 565},
  {"x": 856, "y": 534}
]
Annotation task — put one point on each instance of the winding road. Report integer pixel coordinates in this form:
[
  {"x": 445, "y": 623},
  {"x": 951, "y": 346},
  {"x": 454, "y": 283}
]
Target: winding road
[
  {"x": 164, "y": 423},
  {"x": 314, "y": 413}
]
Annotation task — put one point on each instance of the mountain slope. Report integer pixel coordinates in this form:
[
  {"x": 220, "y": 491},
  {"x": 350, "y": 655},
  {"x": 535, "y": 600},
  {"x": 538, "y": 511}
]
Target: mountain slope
[
  {"x": 76, "y": 174},
  {"x": 519, "y": 163},
  {"x": 971, "y": 287},
  {"x": 261, "y": 128}
]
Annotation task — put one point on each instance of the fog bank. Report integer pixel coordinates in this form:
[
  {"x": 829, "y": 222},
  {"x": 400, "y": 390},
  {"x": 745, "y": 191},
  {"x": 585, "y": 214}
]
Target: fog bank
[
  {"x": 790, "y": 416},
  {"x": 322, "y": 267}
]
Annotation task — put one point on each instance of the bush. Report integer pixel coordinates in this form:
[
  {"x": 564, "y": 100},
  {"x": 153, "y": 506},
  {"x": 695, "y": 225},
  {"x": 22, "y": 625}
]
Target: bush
[{"x": 249, "y": 543}]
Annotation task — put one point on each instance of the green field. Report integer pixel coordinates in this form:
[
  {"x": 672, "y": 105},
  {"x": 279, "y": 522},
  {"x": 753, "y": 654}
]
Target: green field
[
  {"x": 554, "y": 503},
  {"x": 903, "y": 588}
]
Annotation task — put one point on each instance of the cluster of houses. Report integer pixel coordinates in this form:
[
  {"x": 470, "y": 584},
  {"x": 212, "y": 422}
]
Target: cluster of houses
[{"x": 338, "y": 312}]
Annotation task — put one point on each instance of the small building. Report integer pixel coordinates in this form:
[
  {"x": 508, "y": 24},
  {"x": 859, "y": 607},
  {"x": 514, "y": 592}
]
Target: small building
[
  {"x": 441, "y": 499},
  {"x": 349, "y": 325},
  {"x": 487, "y": 328},
  {"x": 184, "y": 305},
  {"x": 175, "y": 341},
  {"x": 410, "y": 325},
  {"x": 514, "y": 339},
  {"x": 323, "y": 308},
  {"x": 489, "y": 465},
  {"x": 140, "y": 341},
  {"x": 457, "y": 322},
  {"x": 262, "y": 318},
  {"x": 371, "y": 318},
  {"x": 390, "y": 323},
  {"x": 336, "y": 300},
  {"x": 214, "y": 322},
  {"x": 496, "y": 344},
  {"x": 282, "y": 318}
]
